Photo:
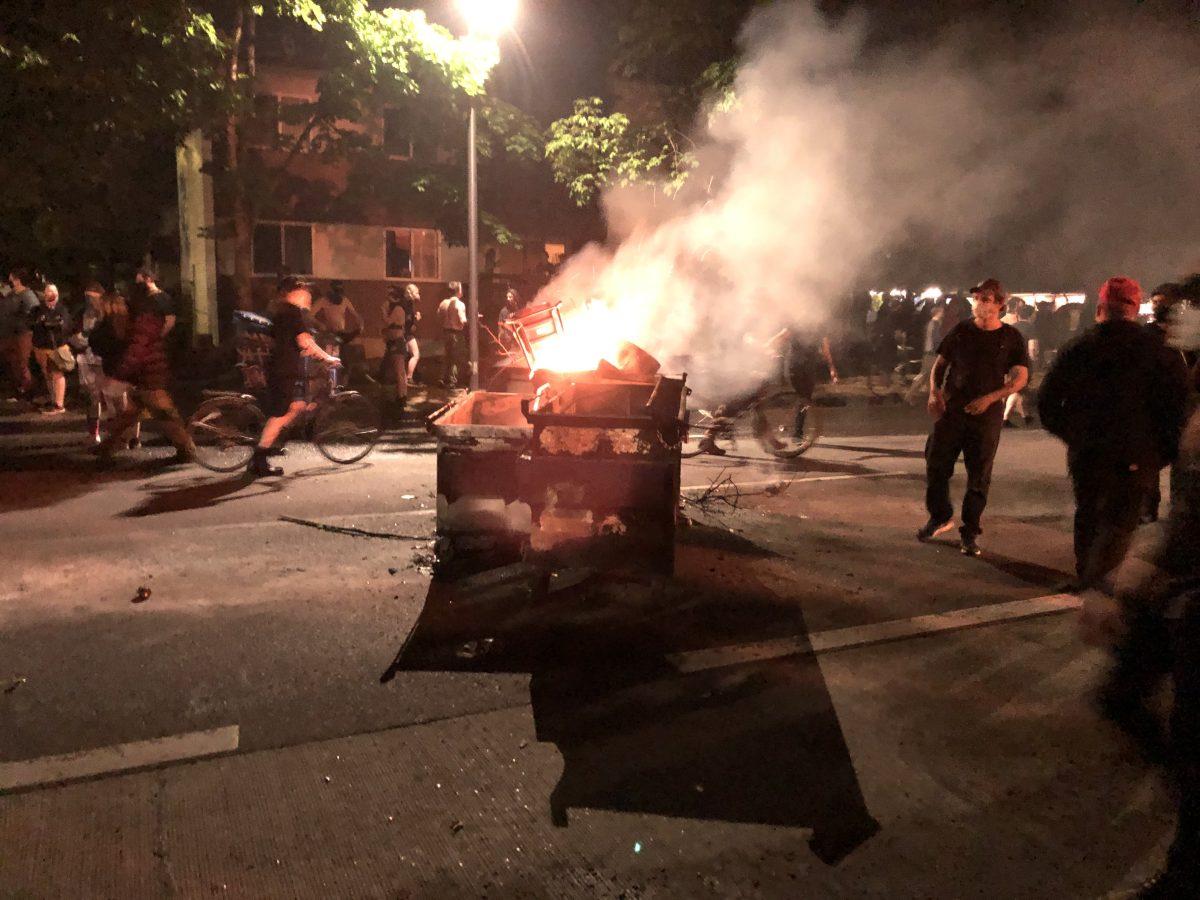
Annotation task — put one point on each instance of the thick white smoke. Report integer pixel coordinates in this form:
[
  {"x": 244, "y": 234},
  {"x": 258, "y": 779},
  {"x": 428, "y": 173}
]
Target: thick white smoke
[{"x": 1049, "y": 160}]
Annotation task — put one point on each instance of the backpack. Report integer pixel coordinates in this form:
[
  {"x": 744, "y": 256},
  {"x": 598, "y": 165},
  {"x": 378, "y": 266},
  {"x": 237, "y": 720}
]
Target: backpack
[{"x": 105, "y": 342}]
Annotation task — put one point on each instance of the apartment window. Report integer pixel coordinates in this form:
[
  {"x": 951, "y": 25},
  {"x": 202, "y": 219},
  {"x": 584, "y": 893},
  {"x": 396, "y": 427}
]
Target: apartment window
[
  {"x": 280, "y": 247},
  {"x": 397, "y": 136},
  {"x": 414, "y": 253},
  {"x": 269, "y": 126}
]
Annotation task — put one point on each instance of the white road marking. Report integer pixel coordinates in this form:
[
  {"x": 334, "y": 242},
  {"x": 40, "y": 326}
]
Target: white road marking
[
  {"x": 876, "y": 633},
  {"x": 783, "y": 481},
  {"x": 119, "y": 758}
]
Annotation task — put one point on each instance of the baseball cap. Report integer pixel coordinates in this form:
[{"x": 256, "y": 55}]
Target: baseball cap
[
  {"x": 992, "y": 287},
  {"x": 1121, "y": 290}
]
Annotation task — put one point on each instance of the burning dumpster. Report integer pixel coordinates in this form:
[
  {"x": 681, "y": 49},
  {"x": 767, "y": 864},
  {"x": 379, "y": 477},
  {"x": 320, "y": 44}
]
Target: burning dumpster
[
  {"x": 481, "y": 520},
  {"x": 584, "y": 472},
  {"x": 601, "y": 476}
]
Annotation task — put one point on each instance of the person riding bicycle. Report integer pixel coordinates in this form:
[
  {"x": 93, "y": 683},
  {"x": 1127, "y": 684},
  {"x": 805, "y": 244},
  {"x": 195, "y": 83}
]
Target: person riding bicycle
[
  {"x": 801, "y": 357},
  {"x": 287, "y": 387}
]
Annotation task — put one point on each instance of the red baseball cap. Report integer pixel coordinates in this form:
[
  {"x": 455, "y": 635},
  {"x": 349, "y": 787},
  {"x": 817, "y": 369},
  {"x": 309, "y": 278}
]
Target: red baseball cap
[{"x": 1121, "y": 290}]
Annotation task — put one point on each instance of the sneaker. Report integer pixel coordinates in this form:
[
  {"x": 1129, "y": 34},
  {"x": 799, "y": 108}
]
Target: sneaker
[
  {"x": 932, "y": 529},
  {"x": 260, "y": 468},
  {"x": 54, "y": 410},
  {"x": 1008, "y": 424},
  {"x": 968, "y": 547}
]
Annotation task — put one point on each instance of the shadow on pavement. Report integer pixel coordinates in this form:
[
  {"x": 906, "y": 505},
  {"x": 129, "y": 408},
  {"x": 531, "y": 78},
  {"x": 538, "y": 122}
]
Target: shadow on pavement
[
  {"x": 37, "y": 481},
  {"x": 204, "y": 492},
  {"x": 1029, "y": 572},
  {"x": 751, "y": 742},
  {"x": 874, "y": 452},
  {"x": 800, "y": 464}
]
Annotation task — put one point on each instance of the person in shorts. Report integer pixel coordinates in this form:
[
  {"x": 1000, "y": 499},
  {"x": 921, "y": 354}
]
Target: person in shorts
[
  {"x": 287, "y": 387},
  {"x": 398, "y": 323}
]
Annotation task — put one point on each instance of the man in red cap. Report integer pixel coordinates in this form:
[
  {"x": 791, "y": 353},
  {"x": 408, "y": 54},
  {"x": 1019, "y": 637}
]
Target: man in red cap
[{"x": 1116, "y": 397}]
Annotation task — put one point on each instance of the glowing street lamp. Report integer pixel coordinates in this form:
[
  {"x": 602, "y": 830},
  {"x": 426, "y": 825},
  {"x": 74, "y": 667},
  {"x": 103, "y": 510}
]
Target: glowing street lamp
[{"x": 486, "y": 19}]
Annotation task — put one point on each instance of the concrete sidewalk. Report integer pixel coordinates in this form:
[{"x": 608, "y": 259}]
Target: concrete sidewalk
[{"x": 976, "y": 752}]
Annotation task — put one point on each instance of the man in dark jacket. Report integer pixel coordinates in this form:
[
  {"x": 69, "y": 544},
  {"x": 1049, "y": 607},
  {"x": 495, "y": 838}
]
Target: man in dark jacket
[
  {"x": 144, "y": 366},
  {"x": 1116, "y": 396}
]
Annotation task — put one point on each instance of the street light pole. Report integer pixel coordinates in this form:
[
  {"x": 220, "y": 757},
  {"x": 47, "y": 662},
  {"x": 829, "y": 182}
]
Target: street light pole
[
  {"x": 473, "y": 250},
  {"x": 487, "y": 19}
]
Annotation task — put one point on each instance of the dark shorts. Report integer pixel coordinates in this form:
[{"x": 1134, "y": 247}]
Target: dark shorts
[{"x": 281, "y": 394}]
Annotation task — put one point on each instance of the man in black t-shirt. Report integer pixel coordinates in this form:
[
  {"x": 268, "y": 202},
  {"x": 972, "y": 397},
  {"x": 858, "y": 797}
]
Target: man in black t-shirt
[
  {"x": 980, "y": 363},
  {"x": 163, "y": 302},
  {"x": 286, "y": 388}
]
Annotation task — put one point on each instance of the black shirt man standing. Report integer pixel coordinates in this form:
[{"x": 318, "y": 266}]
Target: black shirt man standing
[{"x": 979, "y": 364}]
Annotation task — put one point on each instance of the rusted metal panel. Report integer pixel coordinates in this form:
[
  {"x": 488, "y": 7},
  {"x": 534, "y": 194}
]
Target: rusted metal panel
[
  {"x": 601, "y": 476},
  {"x": 481, "y": 519}
]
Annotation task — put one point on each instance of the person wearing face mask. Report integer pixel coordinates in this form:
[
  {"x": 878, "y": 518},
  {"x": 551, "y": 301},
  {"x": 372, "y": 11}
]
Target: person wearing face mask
[
  {"x": 16, "y": 338},
  {"x": 50, "y": 324},
  {"x": 979, "y": 364}
]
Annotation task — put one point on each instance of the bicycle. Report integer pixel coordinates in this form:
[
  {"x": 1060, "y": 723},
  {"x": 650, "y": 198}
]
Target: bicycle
[
  {"x": 342, "y": 424},
  {"x": 784, "y": 423}
]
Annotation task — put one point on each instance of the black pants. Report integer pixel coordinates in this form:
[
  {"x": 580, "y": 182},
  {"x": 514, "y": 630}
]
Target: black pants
[
  {"x": 452, "y": 340},
  {"x": 976, "y": 439},
  {"x": 1108, "y": 506}
]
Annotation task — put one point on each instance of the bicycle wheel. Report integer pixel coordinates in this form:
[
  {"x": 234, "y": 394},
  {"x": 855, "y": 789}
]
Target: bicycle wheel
[
  {"x": 786, "y": 424},
  {"x": 700, "y": 426},
  {"x": 225, "y": 431},
  {"x": 346, "y": 427}
]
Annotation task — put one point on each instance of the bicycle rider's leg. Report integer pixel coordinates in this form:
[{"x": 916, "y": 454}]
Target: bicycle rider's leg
[
  {"x": 276, "y": 425},
  {"x": 285, "y": 403},
  {"x": 162, "y": 407},
  {"x": 805, "y": 385}
]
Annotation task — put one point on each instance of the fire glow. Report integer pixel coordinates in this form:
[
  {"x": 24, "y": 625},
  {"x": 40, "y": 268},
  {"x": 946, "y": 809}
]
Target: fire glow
[{"x": 591, "y": 333}]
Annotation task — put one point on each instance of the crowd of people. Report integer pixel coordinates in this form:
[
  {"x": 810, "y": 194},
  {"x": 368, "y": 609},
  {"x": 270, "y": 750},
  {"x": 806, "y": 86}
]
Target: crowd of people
[
  {"x": 114, "y": 340},
  {"x": 1119, "y": 396},
  {"x": 116, "y": 343}
]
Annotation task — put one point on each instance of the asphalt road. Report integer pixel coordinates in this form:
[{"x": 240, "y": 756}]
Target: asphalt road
[{"x": 634, "y": 712}]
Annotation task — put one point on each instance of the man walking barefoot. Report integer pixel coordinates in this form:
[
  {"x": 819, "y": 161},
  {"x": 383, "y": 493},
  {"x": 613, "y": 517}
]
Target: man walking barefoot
[{"x": 979, "y": 364}]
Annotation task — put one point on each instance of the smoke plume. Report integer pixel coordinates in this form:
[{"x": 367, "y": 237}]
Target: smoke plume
[{"x": 1050, "y": 156}]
